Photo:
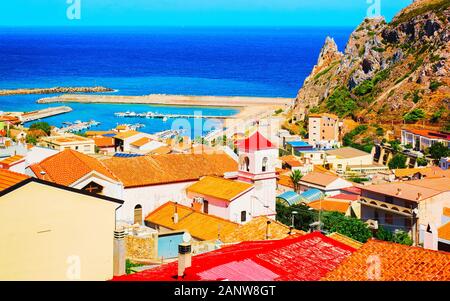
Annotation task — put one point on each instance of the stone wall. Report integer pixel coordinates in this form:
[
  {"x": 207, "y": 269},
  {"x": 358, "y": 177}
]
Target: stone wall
[{"x": 141, "y": 247}]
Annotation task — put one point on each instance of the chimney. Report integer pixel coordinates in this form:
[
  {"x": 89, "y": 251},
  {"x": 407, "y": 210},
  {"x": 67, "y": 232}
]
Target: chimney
[
  {"x": 290, "y": 230},
  {"x": 175, "y": 214},
  {"x": 268, "y": 230},
  {"x": 184, "y": 257},
  {"x": 119, "y": 252},
  {"x": 399, "y": 191}
]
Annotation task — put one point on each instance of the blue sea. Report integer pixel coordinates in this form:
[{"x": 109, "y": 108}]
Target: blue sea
[{"x": 139, "y": 61}]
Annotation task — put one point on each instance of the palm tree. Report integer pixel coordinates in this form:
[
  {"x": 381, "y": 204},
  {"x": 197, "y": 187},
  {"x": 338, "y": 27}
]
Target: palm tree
[{"x": 296, "y": 176}]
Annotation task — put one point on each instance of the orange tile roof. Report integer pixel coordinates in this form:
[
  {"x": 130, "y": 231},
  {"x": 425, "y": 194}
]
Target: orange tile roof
[
  {"x": 162, "y": 150},
  {"x": 285, "y": 180},
  {"x": 141, "y": 142},
  {"x": 345, "y": 240},
  {"x": 330, "y": 205},
  {"x": 318, "y": 178},
  {"x": 12, "y": 159},
  {"x": 125, "y": 135},
  {"x": 170, "y": 168},
  {"x": 444, "y": 231},
  {"x": 321, "y": 169},
  {"x": 256, "y": 230},
  {"x": 397, "y": 263},
  {"x": 68, "y": 166},
  {"x": 10, "y": 178},
  {"x": 220, "y": 188},
  {"x": 429, "y": 134},
  {"x": 200, "y": 225},
  {"x": 446, "y": 211},
  {"x": 104, "y": 141},
  {"x": 410, "y": 190},
  {"x": 291, "y": 161}
]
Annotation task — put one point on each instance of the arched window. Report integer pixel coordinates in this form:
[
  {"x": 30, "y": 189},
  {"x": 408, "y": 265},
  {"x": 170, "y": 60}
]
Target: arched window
[
  {"x": 138, "y": 214},
  {"x": 245, "y": 164},
  {"x": 264, "y": 163}
]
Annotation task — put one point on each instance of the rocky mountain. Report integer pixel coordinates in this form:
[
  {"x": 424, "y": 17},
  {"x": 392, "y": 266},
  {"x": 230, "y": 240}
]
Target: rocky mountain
[{"x": 388, "y": 72}]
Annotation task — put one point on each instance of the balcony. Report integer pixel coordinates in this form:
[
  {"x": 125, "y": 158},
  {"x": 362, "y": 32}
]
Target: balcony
[{"x": 392, "y": 208}]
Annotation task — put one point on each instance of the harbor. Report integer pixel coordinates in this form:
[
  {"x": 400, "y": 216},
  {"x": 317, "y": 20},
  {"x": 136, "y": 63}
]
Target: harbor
[{"x": 78, "y": 126}]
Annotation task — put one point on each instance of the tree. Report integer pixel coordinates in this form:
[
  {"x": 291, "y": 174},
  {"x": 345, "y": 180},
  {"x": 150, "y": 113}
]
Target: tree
[
  {"x": 398, "y": 161},
  {"x": 302, "y": 219},
  {"x": 400, "y": 237},
  {"x": 348, "y": 226},
  {"x": 296, "y": 176},
  {"x": 341, "y": 102},
  {"x": 30, "y": 139},
  {"x": 414, "y": 116},
  {"x": 395, "y": 144},
  {"x": 438, "y": 151},
  {"x": 44, "y": 126},
  {"x": 422, "y": 161}
]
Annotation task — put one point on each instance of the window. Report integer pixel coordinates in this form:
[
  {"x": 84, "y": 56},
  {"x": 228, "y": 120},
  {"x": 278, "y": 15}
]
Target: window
[
  {"x": 138, "y": 214},
  {"x": 264, "y": 164},
  {"x": 247, "y": 164},
  {"x": 205, "y": 206},
  {"x": 93, "y": 187},
  {"x": 243, "y": 216}
]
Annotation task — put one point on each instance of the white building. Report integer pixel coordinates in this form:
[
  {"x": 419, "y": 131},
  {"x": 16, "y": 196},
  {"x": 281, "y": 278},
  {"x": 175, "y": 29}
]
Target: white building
[
  {"x": 144, "y": 183},
  {"x": 328, "y": 184},
  {"x": 444, "y": 163},
  {"x": 257, "y": 160},
  {"x": 323, "y": 130}
]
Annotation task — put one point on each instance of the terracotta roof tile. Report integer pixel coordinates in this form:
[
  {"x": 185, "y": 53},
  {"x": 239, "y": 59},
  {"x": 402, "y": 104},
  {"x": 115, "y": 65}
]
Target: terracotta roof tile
[
  {"x": 12, "y": 159},
  {"x": 444, "y": 231},
  {"x": 9, "y": 178},
  {"x": 141, "y": 142},
  {"x": 200, "y": 225},
  {"x": 397, "y": 263},
  {"x": 330, "y": 205},
  {"x": 220, "y": 188},
  {"x": 346, "y": 240},
  {"x": 256, "y": 230},
  {"x": 446, "y": 211},
  {"x": 318, "y": 178},
  {"x": 68, "y": 166},
  {"x": 171, "y": 168},
  {"x": 104, "y": 141},
  {"x": 125, "y": 135}
]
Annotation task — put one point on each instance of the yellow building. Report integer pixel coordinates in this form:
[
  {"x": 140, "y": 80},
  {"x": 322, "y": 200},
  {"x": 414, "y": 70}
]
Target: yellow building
[
  {"x": 69, "y": 141},
  {"x": 52, "y": 232}
]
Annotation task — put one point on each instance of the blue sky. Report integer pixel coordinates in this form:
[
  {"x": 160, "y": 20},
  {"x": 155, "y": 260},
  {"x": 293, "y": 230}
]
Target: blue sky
[{"x": 194, "y": 12}]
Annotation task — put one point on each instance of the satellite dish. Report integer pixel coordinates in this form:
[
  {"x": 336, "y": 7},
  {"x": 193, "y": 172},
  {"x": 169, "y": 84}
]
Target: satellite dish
[{"x": 187, "y": 237}]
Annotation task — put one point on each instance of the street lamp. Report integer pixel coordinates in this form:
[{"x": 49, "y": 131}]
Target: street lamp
[{"x": 293, "y": 216}]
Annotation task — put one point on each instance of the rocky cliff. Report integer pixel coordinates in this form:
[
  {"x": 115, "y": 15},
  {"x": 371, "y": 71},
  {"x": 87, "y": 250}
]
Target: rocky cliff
[{"x": 387, "y": 70}]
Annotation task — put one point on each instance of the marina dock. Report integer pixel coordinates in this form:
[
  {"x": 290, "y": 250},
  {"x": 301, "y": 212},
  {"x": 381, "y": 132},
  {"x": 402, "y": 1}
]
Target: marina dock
[
  {"x": 44, "y": 113},
  {"x": 168, "y": 116}
]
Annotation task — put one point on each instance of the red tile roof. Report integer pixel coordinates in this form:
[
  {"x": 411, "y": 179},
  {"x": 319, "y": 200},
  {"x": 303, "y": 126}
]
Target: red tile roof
[
  {"x": 308, "y": 257},
  {"x": 9, "y": 178},
  {"x": 429, "y": 134},
  {"x": 67, "y": 167},
  {"x": 255, "y": 142},
  {"x": 344, "y": 196},
  {"x": 396, "y": 263}
]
